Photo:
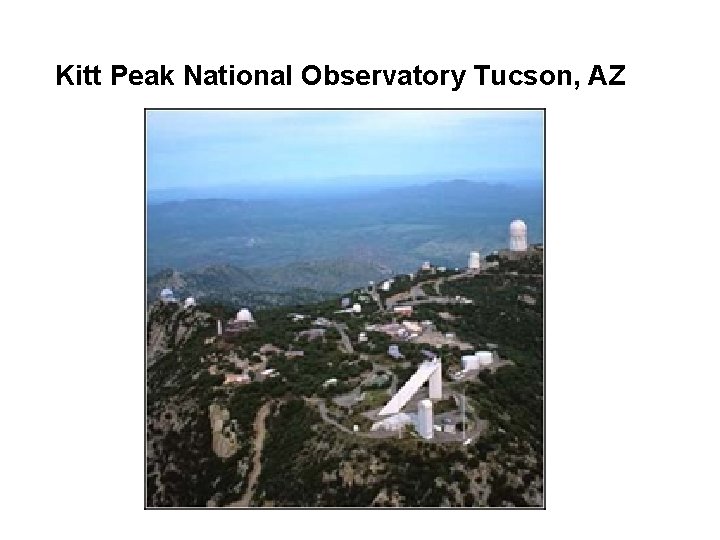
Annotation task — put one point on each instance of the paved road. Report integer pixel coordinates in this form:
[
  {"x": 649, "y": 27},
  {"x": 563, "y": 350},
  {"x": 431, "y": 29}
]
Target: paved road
[
  {"x": 433, "y": 300},
  {"x": 344, "y": 339},
  {"x": 323, "y": 413}
]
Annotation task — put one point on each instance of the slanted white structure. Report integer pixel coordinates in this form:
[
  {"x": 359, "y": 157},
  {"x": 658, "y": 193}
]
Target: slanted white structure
[
  {"x": 518, "y": 235},
  {"x": 474, "y": 260},
  {"x": 425, "y": 419},
  {"x": 189, "y": 302},
  {"x": 427, "y": 371},
  {"x": 477, "y": 360}
]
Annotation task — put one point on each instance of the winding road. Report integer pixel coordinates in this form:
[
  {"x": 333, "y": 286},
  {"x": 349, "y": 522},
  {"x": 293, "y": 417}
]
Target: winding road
[
  {"x": 344, "y": 339},
  {"x": 259, "y": 428}
]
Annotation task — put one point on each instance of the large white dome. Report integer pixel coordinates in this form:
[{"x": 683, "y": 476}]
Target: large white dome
[
  {"x": 244, "y": 315},
  {"x": 518, "y": 226}
]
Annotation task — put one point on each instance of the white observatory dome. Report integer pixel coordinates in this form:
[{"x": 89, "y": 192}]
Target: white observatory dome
[
  {"x": 167, "y": 295},
  {"x": 518, "y": 226},
  {"x": 189, "y": 301},
  {"x": 244, "y": 315}
]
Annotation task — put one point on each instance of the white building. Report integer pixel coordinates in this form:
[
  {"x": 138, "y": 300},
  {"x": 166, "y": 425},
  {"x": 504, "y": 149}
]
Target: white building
[
  {"x": 189, "y": 302},
  {"x": 385, "y": 286},
  {"x": 392, "y": 423},
  {"x": 413, "y": 326},
  {"x": 518, "y": 236},
  {"x": 425, "y": 419},
  {"x": 426, "y": 265},
  {"x": 474, "y": 261},
  {"x": 219, "y": 327},
  {"x": 477, "y": 360},
  {"x": 448, "y": 426},
  {"x": 357, "y": 308}
]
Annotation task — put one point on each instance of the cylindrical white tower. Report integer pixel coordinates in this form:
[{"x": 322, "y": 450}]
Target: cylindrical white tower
[
  {"x": 219, "y": 327},
  {"x": 474, "y": 261},
  {"x": 518, "y": 236},
  {"x": 425, "y": 419}
]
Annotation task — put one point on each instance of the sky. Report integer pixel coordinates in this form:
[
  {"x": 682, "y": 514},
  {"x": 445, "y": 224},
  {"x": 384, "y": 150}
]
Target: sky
[{"x": 197, "y": 149}]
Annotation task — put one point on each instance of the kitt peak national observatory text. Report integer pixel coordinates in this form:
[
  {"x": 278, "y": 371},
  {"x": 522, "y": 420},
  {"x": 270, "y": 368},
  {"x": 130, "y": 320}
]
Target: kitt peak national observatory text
[{"x": 312, "y": 75}]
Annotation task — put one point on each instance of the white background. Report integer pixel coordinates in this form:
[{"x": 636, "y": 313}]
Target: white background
[{"x": 632, "y": 446}]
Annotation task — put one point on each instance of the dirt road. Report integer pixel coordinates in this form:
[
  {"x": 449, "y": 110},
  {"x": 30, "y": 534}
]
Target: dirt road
[{"x": 259, "y": 426}]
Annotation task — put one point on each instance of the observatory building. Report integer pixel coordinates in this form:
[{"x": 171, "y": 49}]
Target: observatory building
[
  {"x": 244, "y": 317},
  {"x": 167, "y": 295},
  {"x": 477, "y": 360},
  {"x": 242, "y": 321},
  {"x": 474, "y": 261},
  {"x": 189, "y": 302},
  {"x": 427, "y": 371},
  {"x": 518, "y": 236},
  {"x": 425, "y": 419}
]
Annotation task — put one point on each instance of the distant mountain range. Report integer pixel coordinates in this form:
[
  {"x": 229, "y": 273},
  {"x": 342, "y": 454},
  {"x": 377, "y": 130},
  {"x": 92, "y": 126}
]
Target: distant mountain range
[
  {"x": 349, "y": 186},
  {"x": 262, "y": 287},
  {"x": 331, "y": 245}
]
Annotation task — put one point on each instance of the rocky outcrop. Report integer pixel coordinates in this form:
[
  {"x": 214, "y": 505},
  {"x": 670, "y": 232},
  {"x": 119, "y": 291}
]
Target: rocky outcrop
[{"x": 224, "y": 439}]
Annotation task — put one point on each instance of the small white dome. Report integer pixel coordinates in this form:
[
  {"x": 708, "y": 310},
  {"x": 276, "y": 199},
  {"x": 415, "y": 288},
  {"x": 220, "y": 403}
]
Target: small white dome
[
  {"x": 244, "y": 315},
  {"x": 518, "y": 226},
  {"x": 166, "y": 295},
  {"x": 189, "y": 301}
]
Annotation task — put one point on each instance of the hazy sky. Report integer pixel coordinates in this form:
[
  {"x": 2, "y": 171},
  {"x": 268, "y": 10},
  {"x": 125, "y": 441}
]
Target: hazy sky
[{"x": 208, "y": 148}]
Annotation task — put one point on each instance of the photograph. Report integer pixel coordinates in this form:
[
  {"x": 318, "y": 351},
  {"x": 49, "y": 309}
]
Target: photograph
[{"x": 344, "y": 308}]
